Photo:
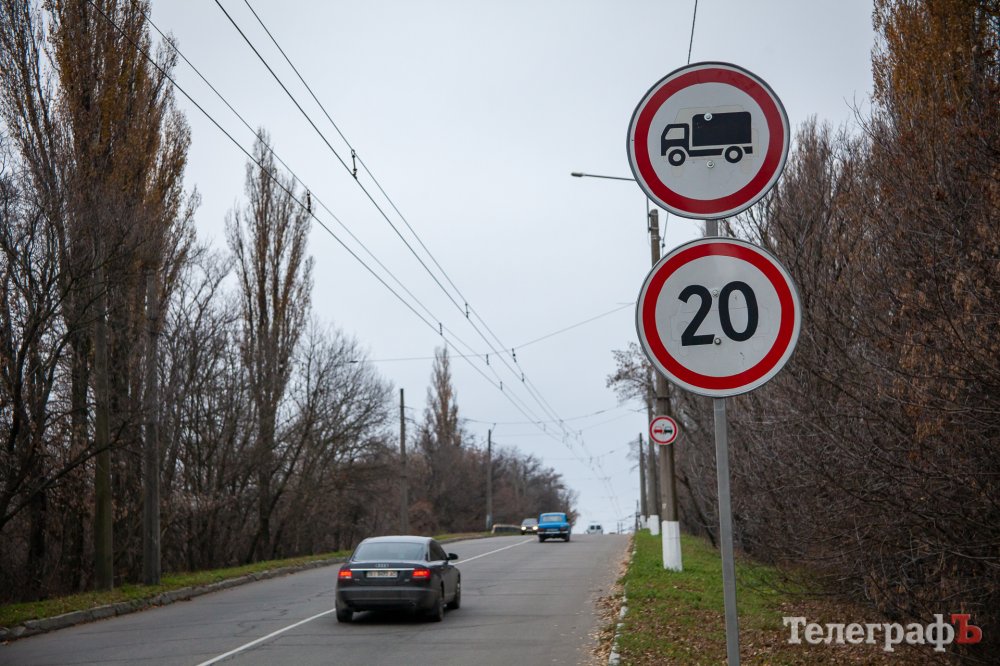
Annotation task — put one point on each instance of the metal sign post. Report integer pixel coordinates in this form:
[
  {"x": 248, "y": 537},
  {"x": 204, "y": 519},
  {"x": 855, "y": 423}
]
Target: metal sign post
[
  {"x": 719, "y": 316},
  {"x": 726, "y": 533}
]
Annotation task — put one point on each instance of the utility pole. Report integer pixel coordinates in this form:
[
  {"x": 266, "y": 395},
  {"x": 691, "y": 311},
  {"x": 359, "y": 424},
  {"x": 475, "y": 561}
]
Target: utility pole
[
  {"x": 404, "y": 490},
  {"x": 104, "y": 572},
  {"x": 653, "y": 481},
  {"x": 642, "y": 481},
  {"x": 151, "y": 446},
  {"x": 489, "y": 480},
  {"x": 671, "y": 527}
]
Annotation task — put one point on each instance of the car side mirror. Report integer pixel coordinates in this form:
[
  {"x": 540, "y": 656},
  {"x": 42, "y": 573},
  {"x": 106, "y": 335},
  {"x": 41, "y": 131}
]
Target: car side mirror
[{"x": 452, "y": 556}]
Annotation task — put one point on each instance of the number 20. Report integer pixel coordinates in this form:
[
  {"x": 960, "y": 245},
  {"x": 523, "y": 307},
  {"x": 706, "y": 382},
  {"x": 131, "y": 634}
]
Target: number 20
[{"x": 690, "y": 335}]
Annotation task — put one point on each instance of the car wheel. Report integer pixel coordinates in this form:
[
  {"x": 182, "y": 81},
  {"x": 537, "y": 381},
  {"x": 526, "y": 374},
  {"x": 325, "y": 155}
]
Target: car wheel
[
  {"x": 345, "y": 615},
  {"x": 567, "y": 538},
  {"x": 541, "y": 539},
  {"x": 456, "y": 602},
  {"x": 436, "y": 614},
  {"x": 734, "y": 154}
]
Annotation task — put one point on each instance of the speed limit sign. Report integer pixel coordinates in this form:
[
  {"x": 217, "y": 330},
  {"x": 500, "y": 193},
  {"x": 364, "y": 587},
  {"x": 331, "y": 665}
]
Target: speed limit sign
[{"x": 718, "y": 316}]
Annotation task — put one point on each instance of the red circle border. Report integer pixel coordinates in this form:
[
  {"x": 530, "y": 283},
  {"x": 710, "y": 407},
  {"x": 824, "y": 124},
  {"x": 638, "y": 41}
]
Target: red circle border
[
  {"x": 672, "y": 366},
  {"x": 671, "y": 440}
]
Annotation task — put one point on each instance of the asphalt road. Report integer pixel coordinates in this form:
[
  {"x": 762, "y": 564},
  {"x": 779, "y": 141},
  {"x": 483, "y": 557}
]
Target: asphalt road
[{"x": 523, "y": 603}]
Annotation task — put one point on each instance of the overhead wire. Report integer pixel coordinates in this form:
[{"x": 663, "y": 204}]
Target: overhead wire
[
  {"x": 287, "y": 167},
  {"x": 326, "y": 141},
  {"x": 439, "y": 329},
  {"x": 354, "y": 153},
  {"x": 694, "y": 16},
  {"x": 277, "y": 78},
  {"x": 532, "y": 389}
]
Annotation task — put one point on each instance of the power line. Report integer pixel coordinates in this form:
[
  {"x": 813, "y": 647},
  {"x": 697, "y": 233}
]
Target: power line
[
  {"x": 532, "y": 390},
  {"x": 441, "y": 327},
  {"x": 694, "y": 15},
  {"x": 292, "y": 195},
  {"x": 545, "y": 406},
  {"x": 354, "y": 173},
  {"x": 333, "y": 150},
  {"x": 572, "y": 418},
  {"x": 287, "y": 167},
  {"x": 568, "y": 328}
]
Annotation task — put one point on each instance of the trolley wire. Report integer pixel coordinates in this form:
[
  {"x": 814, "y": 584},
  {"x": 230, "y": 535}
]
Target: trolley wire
[
  {"x": 533, "y": 390},
  {"x": 437, "y": 329}
]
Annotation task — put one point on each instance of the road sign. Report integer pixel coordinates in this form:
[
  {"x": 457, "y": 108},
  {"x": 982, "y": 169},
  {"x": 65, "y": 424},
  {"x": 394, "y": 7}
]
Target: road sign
[
  {"x": 663, "y": 430},
  {"x": 708, "y": 140},
  {"x": 718, "y": 316}
]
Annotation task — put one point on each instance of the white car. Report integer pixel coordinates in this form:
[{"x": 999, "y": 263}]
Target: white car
[{"x": 595, "y": 528}]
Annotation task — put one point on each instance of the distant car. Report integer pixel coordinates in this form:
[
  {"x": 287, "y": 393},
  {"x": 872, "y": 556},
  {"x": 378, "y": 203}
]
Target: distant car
[
  {"x": 529, "y": 526},
  {"x": 595, "y": 528},
  {"x": 398, "y": 573},
  {"x": 553, "y": 526}
]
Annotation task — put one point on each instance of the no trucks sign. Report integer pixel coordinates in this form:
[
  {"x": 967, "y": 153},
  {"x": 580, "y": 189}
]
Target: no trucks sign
[{"x": 708, "y": 140}]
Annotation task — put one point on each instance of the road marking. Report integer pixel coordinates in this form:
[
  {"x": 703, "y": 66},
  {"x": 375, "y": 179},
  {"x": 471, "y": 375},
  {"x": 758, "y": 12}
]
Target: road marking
[
  {"x": 264, "y": 638},
  {"x": 513, "y": 545},
  {"x": 249, "y": 645}
]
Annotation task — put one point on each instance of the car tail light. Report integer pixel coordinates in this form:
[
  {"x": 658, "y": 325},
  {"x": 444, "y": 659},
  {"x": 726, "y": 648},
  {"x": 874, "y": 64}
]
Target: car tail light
[
  {"x": 421, "y": 574},
  {"x": 345, "y": 574}
]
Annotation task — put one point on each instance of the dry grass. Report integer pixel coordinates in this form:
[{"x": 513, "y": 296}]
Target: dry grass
[{"x": 678, "y": 617}]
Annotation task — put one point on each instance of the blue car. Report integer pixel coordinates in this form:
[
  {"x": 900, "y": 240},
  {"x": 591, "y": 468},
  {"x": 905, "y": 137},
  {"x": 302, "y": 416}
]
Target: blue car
[{"x": 553, "y": 526}]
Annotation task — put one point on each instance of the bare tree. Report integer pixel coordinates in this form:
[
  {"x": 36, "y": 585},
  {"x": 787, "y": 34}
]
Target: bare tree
[
  {"x": 268, "y": 241},
  {"x": 95, "y": 128}
]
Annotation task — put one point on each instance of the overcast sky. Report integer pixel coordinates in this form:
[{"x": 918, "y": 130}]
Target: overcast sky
[{"x": 472, "y": 115}]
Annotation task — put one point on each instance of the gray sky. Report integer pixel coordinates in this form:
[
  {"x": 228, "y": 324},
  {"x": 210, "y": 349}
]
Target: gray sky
[{"x": 472, "y": 115}]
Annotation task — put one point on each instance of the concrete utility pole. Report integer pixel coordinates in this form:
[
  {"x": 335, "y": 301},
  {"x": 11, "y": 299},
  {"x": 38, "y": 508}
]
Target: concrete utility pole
[
  {"x": 671, "y": 527},
  {"x": 652, "y": 477},
  {"x": 489, "y": 480},
  {"x": 642, "y": 481},
  {"x": 104, "y": 568},
  {"x": 404, "y": 489},
  {"x": 151, "y": 446}
]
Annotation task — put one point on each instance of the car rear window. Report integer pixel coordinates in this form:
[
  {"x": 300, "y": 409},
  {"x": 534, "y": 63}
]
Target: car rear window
[
  {"x": 553, "y": 518},
  {"x": 390, "y": 550}
]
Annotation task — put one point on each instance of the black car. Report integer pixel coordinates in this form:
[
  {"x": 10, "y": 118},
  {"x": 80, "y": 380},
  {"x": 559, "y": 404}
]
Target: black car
[
  {"x": 529, "y": 526},
  {"x": 398, "y": 573}
]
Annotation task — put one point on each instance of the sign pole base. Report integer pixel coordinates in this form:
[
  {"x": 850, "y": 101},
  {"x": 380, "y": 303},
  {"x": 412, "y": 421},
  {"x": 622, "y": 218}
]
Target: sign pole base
[
  {"x": 672, "y": 546},
  {"x": 726, "y": 533}
]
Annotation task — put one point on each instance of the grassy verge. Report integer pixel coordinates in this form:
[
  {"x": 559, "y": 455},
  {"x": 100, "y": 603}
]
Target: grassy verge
[
  {"x": 15, "y": 614},
  {"x": 678, "y": 617}
]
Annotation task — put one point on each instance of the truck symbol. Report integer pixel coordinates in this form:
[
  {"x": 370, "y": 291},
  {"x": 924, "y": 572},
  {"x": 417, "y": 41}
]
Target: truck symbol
[{"x": 708, "y": 135}]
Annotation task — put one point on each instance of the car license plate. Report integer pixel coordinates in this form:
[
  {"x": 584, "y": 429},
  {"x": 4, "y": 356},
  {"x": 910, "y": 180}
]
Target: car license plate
[{"x": 381, "y": 574}]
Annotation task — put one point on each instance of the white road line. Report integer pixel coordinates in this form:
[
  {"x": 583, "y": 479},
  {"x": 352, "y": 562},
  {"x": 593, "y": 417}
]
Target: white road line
[
  {"x": 271, "y": 635},
  {"x": 513, "y": 545},
  {"x": 264, "y": 638}
]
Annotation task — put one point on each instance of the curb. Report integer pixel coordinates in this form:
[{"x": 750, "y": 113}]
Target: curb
[
  {"x": 614, "y": 658},
  {"x": 34, "y": 627}
]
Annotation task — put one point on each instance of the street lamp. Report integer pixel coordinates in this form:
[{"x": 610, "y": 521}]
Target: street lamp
[
  {"x": 665, "y": 496},
  {"x": 580, "y": 174}
]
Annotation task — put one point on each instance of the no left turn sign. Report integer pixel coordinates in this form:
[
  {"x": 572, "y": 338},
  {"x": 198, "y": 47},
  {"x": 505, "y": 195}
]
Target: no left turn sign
[
  {"x": 718, "y": 316},
  {"x": 708, "y": 140}
]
